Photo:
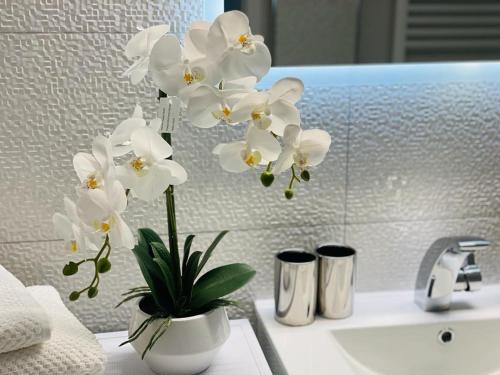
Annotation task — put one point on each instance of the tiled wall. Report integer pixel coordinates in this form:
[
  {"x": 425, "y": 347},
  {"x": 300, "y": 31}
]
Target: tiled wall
[{"x": 415, "y": 156}]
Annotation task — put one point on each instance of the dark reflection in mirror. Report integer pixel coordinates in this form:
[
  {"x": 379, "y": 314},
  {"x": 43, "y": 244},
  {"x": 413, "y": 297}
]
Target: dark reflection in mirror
[{"x": 325, "y": 32}]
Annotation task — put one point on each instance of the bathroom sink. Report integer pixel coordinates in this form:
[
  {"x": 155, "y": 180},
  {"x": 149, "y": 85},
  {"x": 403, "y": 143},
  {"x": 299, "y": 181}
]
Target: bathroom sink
[
  {"x": 388, "y": 334},
  {"x": 458, "y": 348}
]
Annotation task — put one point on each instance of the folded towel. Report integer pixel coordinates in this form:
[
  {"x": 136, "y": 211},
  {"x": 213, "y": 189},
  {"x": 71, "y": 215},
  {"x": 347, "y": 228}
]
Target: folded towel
[
  {"x": 23, "y": 322},
  {"x": 71, "y": 350}
]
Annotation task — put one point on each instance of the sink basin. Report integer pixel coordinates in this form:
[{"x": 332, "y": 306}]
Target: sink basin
[
  {"x": 457, "y": 348},
  {"x": 389, "y": 335}
]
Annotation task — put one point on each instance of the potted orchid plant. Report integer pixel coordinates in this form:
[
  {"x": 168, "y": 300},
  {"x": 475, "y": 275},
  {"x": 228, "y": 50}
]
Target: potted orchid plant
[{"x": 212, "y": 74}]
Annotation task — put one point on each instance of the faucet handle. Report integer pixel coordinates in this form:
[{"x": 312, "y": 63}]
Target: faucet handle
[
  {"x": 469, "y": 277},
  {"x": 472, "y": 244}
]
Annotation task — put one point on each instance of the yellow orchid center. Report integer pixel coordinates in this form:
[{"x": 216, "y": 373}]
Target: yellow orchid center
[
  {"x": 137, "y": 164},
  {"x": 243, "y": 39},
  {"x": 105, "y": 227},
  {"x": 73, "y": 246},
  {"x": 252, "y": 158},
  {"x": 256, "y": 115},
  {"x": 188, "y": 78},
  {"x": 226, "y": 111},
  {"x": 91, "y": 182}
]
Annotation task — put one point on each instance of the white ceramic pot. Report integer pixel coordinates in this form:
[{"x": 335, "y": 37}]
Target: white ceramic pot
[{"x": 187, "y": 347}]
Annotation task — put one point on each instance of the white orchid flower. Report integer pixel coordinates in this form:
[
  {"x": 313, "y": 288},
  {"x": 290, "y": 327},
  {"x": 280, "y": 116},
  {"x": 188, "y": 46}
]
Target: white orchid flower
[
  {"x": 176, "y": 74},
  {"x": 259, "y": 148},
  {"x": 148, "y": 173},
  {"x": 101, "y": 210},
  {"x": 236, "y": 50},
  {"x": 304, "y": 148},
  {"x": 272, "y": 109},
  {"x": 120, "y": 138},
  {"x": 140, "y": 46},
  {"x": 208, "y": 106},
  {"x": 95, "y": 169},
  {"x": 195, "y": 40},
  {"x": 70, "y": 229}
]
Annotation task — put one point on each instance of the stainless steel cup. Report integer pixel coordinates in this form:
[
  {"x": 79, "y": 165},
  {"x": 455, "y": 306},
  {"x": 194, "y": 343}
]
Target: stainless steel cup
[
  {"x": 295, "y": 287},
  {"x": 337, "y": 268}
]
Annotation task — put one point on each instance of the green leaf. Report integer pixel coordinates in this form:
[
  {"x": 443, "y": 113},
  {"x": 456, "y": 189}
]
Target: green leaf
[
  {"x": 153, "y": 276},
  {"x": 187, "y": 249},
  {"x": 160, "y": 251},
  {"x": 210, "y": 250},
  {"x": 147, "y": 235},
  {"x": 220, "y": 282},
  {"x": 132, "y": 296},
  {"x": 189, "y": 276},
  {"x": 157, "y": 335},
  {"x": 167, "y": 278}
]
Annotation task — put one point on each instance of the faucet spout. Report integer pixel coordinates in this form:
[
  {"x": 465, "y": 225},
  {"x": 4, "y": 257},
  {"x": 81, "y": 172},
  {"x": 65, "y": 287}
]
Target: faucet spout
[{"x": 449, "y": 265}]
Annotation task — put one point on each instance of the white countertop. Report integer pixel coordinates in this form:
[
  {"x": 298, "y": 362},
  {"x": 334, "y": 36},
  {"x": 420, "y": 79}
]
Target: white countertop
[
  {"x": 240, "y": 355},
  {"x": 311, "y": 350}
]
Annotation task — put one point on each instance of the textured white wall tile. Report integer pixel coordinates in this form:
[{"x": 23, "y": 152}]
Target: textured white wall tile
[
  {"x": 424, "y": 152},
  {"x": 84, "y": 16},
  {"x": 389, "y": 254}
]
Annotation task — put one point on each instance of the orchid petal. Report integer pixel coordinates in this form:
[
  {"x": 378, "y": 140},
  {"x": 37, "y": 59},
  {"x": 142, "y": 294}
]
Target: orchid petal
[
  {"x": 150, "y": 145},
  {"x": 284, "y": 161},
  {"x": 120, "y": 138},
  {"x": 203, "y": 102},
  {"x": 165, "y": 53},
  {"x": 142, "y": 42},
  {"x": 121, "y": 235},
  {"x": 282, "y": 114},
  {"x": 230, "y": 157},
  {"x": 289, "y": 89},
  {"x": 315, "y": 143},
  {"x": 264, "y": 142},
  {"x": 63, "y": 226},
  {"x": 177, "y": 172},
  {"x": 291, "y": 135},
  {"x": 237, "y": 64},
  {"x": 85, "y": 165}
]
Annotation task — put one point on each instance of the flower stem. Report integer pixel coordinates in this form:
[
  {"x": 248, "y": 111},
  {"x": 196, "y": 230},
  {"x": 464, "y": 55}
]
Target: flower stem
[{"x": 171, "y": 220}]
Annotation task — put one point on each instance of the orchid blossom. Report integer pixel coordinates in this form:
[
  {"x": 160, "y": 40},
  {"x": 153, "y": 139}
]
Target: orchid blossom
[
  {"x": 140, "y": 46},
  {"x": 70, "y": 228},
  {"x": 120, "y": 138},
  {"x": 272, "y": 109},
  {"x": 101, "y": 210},
  {"x": 177, "y": 74},
  {"x": 259, "y": 148},
  {"x": 303, "y": 148},
  {"x": 236, "y": 50},
  {"x": 94, "y": 169},
  {"x": 148, "y": 173}
]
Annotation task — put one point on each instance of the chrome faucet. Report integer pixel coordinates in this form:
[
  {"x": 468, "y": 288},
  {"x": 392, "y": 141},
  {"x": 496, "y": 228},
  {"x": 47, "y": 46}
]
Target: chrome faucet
[{"x": 448, "y": 266}]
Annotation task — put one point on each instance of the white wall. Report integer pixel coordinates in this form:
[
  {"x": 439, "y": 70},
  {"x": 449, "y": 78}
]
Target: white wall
[{"x": 415, "y": 156}]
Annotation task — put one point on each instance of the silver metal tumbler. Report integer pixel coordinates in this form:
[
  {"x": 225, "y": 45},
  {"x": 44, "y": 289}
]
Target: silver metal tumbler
[
  {"x": 337, "y": 268},
  {"x": 295, "y": 287}
]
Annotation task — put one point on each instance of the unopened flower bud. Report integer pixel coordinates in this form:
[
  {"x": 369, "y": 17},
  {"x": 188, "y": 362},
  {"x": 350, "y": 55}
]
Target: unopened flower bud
[
  {"x": 288, "y": 193},
  {"x": 103, "y": 265},
  {"x": 92, "y": 292},
  {"x": 70, "y": 269},
  {"x": 266, "y": 178},
  {"x": 74, "y": 296},
  {"x": 305, "y": 175}
]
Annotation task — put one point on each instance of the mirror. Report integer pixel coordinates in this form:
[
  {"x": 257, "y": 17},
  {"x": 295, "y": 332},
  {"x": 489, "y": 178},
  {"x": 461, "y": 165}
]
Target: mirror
[{"x": 325, "y": 32}]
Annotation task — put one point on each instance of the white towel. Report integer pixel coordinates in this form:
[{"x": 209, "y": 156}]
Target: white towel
[
  {"x": 71, "y": 350},
  {"x": 23, "y": 322}
]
